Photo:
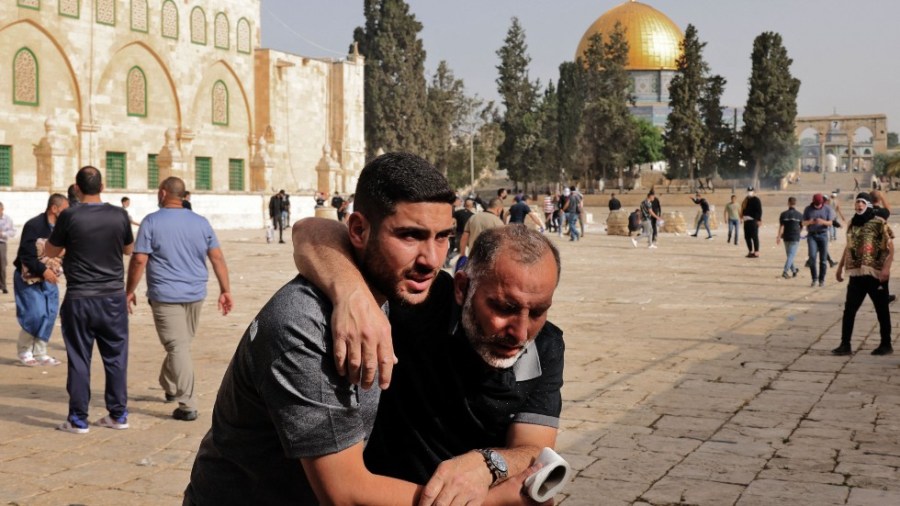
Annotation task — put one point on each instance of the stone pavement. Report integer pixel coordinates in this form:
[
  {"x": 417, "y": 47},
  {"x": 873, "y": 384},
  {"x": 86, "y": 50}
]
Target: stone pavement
[{"x": 693, "y": 376}]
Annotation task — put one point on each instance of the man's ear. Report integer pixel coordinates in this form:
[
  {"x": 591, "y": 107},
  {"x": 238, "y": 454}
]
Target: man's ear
[
  {"x": 360, "y": 230},
  {"x": 460, "y": 286}
]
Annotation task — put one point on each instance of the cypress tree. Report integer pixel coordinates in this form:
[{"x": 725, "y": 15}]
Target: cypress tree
[
  {"x": 570, "y": 110},
  {"x": 395, "y": 94},
  {"x": 685, "y": 131},
  {"x": 768, "y": 134},
  {"x": 719, "y": 137}
]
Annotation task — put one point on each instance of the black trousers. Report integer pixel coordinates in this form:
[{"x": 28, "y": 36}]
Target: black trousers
[
  {"x": 751, "y": 235},
  {"x": 857, "y": 289}
]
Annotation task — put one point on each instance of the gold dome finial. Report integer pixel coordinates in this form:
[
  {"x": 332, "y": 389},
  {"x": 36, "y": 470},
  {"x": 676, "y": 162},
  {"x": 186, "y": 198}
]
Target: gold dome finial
[{"x": 654, "y": 40}]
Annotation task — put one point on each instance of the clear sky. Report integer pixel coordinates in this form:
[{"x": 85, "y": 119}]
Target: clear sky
[{"x": 843, "y": 51}]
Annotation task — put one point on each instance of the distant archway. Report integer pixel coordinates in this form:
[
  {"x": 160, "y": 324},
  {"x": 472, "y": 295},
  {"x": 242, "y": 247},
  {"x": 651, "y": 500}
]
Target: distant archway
[{"x": 843, "y": 134}]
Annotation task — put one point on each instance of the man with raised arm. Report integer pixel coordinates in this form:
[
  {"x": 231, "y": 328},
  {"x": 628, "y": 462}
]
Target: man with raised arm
[{"x": 476, "y": 392}]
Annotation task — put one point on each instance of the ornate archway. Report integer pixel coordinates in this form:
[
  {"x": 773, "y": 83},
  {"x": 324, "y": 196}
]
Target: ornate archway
[{"x": 838, "y": 131}]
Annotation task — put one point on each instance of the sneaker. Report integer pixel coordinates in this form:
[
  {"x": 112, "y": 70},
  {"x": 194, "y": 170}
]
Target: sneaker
[
  {"x": 109, "y": 422},
  {"x": 813, "y": 284},
  {"x": 843, "y": 349},
  {"x": 794, "y": 273},
  {"x": 708, "y": 238},
  {"x": 652, "y": 246},
  {"x": 785, "y": 275},
  {"x": 47, "y": 360},
  {"x": 74, "y": 426},
  {"x": 170, "y": 398},
  {"x": 832, "y": 263},
  {"x": 184, "y": 416},
  {"x": 821, "y": 283},
  {"x": 693, "y": 235},
  {"x": 634, "y": 242},
  {"x": 883, "y": 350}
]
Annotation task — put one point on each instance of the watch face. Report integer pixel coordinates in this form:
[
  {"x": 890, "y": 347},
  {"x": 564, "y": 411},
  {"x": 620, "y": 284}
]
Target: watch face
[{"x": 499, "y": 462}]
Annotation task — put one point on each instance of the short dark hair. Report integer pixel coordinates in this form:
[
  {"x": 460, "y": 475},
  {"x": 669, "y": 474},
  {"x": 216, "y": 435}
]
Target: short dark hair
[
  {"x": 89, "y": 180},
  {"x": 174, "y": 186},
  {"x": 125, "y": 199},
  {"x": 398, "y": 177},
  {"x": 55, "y": 199},
  {"x": 791, "y": 201}
]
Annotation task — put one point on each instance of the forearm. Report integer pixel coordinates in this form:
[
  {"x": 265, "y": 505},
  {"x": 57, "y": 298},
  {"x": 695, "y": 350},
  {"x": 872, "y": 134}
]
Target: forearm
[
  {"x": 135, "y": 272},
  {"x": 220, "y": 269},
  {"x": 335, "y": 271}
]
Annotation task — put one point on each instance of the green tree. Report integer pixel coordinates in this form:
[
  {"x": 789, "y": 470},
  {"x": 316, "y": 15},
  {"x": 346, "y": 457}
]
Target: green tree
[
  {"x": 519, "y": 95},
  {"x": 609, "y": 134},
  {"x": 448, "y": 107},
  {"x": 395, "y": 94},
  {"x": 718, "y": 142},
  {"x": 892, "y": 140},
  {"x": 649, "y": 145},
  {"x": 570, "y": 113},
  {"x": 685, "y": 131},
  {"x": 768, "y": 134},
  {"x": 547, "y": 152}
]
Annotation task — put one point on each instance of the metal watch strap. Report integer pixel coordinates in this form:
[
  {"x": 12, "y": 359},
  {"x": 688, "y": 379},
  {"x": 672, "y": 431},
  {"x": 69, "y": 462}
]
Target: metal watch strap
[{"x": 495, "y": 472}]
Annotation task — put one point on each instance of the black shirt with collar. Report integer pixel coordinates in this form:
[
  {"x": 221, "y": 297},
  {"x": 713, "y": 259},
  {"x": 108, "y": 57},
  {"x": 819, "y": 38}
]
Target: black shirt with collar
[{"x": 445, "y": 401}]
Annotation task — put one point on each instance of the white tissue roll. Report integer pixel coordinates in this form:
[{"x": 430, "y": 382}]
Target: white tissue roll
[{"x": 550, "y": 479}]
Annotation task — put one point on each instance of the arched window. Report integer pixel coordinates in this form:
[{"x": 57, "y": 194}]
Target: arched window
[
  {"x": 169, "y": 20},
  {"x": 219, "y": 104},
  {"x": 139, "y": 20},
  {"x": 106, "y": 12},
  {"x": 136, "y": 92},
  {"x": 198, "y": 26},
  {"x": 243, "y": 36},
  {"x": 69, "y": 8},
  {"x": 26, "y": 79},
  {"x": 222, "y": 31}
]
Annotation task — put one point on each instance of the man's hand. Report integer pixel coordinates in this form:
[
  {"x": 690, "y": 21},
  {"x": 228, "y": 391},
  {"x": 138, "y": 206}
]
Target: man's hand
[
  {"x": 512, "y": 491},
  {"x": 130, "y": 301},
  {"x": 839, "y": 273},
  {"x": 362, "y": 340},
  {"x": 884, "y": 274},
  {"x": 461, "y": 480},
  {"x": 225, "y": 303},
  {"x": 50, "y": 276}
]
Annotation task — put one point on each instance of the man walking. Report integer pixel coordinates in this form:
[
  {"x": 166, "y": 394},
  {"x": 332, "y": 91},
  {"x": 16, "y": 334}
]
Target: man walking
[
  {"x": 654, "y": 221},
  {"x": 867, "y": 258},
  {"x": 276, "y": 207},
  {"x": 573, "y": 213},
  {"x": 94, "y": 236},
  {"x": 7, "y": 232},
  {"x": 789, "y": 226},
  {"x": 35, "y": 285},
  {"x": 732, "y": 218},
  {"x": 646, "y": 211},
  {"x": 173, "y": 245},
  {"x": 817, "y": 218},
  {"x": 751, "y": 214},
  {"x": 489, "y": 218},
  {"x": 704, "y": 215}
]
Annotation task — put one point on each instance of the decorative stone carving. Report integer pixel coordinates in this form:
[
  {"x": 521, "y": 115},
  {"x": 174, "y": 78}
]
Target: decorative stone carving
[
  {"x": 139, "y": 15},
  {"x": 169, "y": 156},
  {"x": 219, "y": 104},
  {"x": 106, "y": 12},
  {"x": 26, "y": 77},
  {"x": 243, "y": 36},
  {"x": 329, "y": 172},
  {"x": 261, "y": 167},
  {"x": 50, "y": 155},
  {"x": 137, "y": 92},
  {"x": 68, "y": 8},
  {"x": 34, "y": 4},
  {"x": 222, "y": 30},
  {"x": 169, "y": 20},
  {"x": 198, "y": 26}
]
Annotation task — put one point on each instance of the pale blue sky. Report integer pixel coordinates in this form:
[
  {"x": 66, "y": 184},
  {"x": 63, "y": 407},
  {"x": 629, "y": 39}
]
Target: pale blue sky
[{"x": 844, "y": 52}]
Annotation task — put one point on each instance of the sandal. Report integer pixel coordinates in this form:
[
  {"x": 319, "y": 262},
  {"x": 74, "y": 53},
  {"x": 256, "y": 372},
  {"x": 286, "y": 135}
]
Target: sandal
[
  {"x": 27, "y": 359},
  {"x": 47, "y": 360}
]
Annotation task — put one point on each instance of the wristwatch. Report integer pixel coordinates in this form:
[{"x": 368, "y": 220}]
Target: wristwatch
[{"x": 496, "y": 464}]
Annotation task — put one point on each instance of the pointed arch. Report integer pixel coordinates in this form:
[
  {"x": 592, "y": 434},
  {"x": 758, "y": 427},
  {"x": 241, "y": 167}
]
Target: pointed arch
[
  {"x": 198, "y": 26},
  {"x": 162, "y": 65},
  {"x": 136, "y": 92}
]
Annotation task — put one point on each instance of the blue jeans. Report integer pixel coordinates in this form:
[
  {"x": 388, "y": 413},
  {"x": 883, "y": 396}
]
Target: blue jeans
[
  {"x": 733, "y": 224},
  {"x": 818, "y": 245},
  {"x": 790, "y": 248},
  {"x": 572, "y": 218},
  {"x": 704, "y": 220}
]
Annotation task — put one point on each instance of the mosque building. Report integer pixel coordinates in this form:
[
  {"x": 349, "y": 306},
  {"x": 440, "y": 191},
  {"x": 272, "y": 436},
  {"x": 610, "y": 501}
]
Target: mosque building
[
  {"x": 654, "y": 45},
  {"x": 147, "y": 89}
]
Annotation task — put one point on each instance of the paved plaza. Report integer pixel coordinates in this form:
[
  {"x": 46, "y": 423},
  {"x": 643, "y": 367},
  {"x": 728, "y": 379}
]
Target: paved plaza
[{"x": 694, "y": 375}]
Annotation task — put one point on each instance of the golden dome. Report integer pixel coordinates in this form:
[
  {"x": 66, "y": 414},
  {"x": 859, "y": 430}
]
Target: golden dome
[{"x": 654, "y": 40}]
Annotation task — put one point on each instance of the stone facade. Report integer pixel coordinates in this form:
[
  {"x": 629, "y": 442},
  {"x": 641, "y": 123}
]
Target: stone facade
[{"x": 144, "y": 90}]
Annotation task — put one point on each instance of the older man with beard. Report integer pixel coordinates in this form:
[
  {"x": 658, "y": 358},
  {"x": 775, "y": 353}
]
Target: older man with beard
[{"x": 476, "y": 392}]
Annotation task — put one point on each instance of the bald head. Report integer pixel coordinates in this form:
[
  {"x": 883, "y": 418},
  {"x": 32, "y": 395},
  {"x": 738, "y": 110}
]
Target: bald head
[{"x": 171, "y": 192}]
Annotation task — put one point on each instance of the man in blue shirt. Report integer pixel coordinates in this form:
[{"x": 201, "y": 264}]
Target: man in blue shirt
[
  {"x": 173, "y": 244},
  {"x": 817, "y": 218}
]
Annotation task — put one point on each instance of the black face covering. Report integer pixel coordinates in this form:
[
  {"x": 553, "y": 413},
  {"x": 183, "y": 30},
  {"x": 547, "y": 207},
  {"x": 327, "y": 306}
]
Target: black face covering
[{"x": 861, "y": 219}]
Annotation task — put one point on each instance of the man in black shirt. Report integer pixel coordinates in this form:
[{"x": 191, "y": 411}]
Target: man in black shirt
[
  {"x": 704, "y": 215},
  {"x": 789, "y": 226},
  {"x": 461, "y": 217},
  {"x": 614, "y": 204},
  {"x": 94, "y": 236},
  {"x": 276, "y": 206},
  {"x": 751, "y": 214}
]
